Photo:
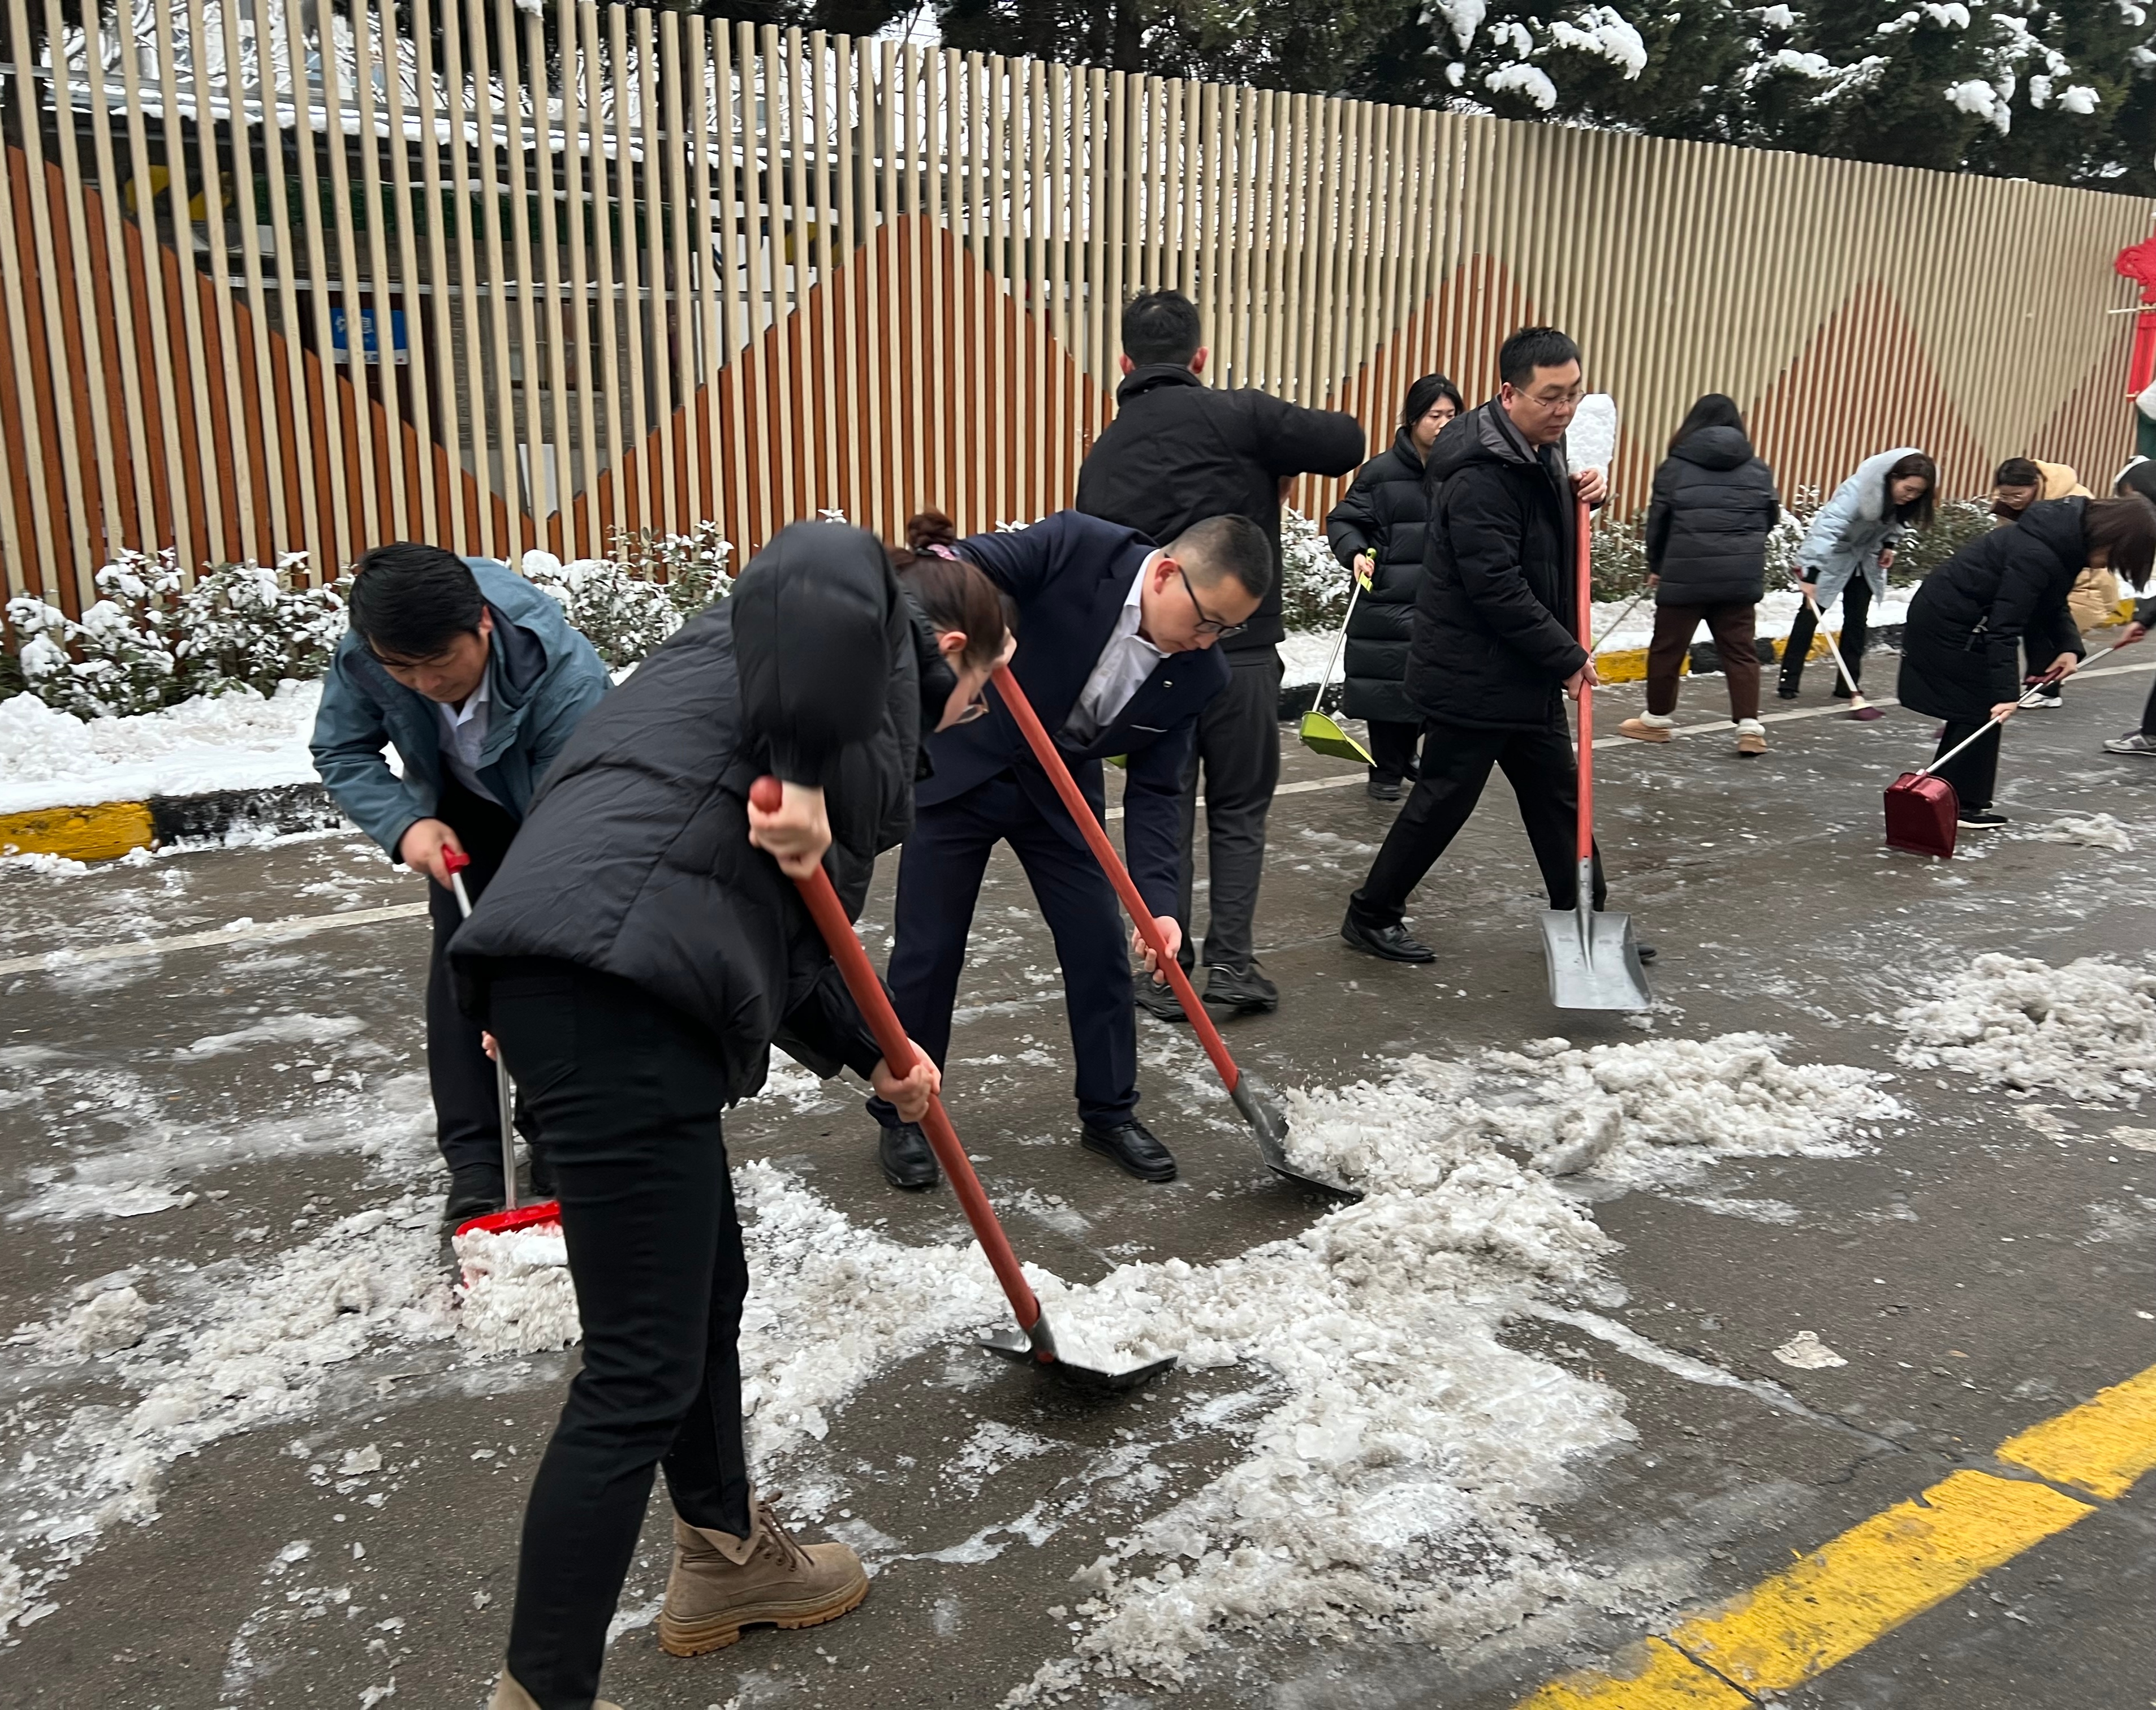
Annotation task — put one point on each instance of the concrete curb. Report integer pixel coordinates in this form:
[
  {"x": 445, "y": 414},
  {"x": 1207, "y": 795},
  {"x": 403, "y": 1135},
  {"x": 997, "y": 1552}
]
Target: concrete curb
[{"x": 106, "y": 830}]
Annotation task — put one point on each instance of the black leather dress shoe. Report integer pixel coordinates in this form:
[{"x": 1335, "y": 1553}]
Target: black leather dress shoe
[
  {"x": 1391, "y": 943},
  {"x": 1130, "y": 1146},
  {"x": 474, "y": 1190},
  {"x": 1157, "y": 998},
  {"x": 1244, "y": 990},
  {"x": 907, "y": 1162}
]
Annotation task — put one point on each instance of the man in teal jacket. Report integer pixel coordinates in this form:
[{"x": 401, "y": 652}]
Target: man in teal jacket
[{"x": 477, "y": 678}]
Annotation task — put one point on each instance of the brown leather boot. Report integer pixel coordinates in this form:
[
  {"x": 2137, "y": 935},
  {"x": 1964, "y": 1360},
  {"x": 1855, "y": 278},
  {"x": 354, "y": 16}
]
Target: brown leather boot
[
  {"x": 509, "y": 1696},
  {"x": 722, "y": 1584}
]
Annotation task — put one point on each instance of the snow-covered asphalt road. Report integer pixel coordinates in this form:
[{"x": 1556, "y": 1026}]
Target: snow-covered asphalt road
[{"x": 1520, "y": 1407}]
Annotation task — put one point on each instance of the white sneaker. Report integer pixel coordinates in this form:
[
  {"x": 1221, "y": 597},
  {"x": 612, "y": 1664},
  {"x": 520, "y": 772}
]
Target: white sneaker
[{"x": 2134, "y": 742}]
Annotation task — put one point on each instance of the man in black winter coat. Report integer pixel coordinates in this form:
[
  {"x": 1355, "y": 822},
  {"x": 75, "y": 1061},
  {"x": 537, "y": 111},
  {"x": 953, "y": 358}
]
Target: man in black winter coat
[
  {"x": 1179, "y": 452},
  {"x": 1494, "y": 650}
]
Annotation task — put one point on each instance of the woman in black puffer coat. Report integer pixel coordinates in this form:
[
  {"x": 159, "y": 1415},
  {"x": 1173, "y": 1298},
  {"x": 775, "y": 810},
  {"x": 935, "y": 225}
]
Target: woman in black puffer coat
[
  {"x": 1376, "y": 530},
  {"x": 1962, "y": 645},
  {"x": 1714, "y": 506}
]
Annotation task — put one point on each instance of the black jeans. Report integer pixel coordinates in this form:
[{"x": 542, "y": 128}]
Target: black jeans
[
  {"x": 1239, "y": 748},
  {"x": 2148, "y": 715},
  {"x": 461, "y": 1076},
  {"x": 1543, "y": 769},
  {"x": 1855, "y": 610},
  {"x": 1974, "y": 772},
  {"x": 1392, "y": 747},
  {"x": 630, "y": 1093}
]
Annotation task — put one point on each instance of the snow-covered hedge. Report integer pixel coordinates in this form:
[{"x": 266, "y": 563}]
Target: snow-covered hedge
[{"x": 627, "y": 606}]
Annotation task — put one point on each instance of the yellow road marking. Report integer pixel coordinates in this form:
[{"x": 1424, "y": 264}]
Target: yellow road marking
[
  {"x": 2101, "y": 1447},
  {"x": 98, "y": 833},
  {"x": 1876, "y": 1575},
  {"x": 1883, "y": 1571},
  {"x": 1649, "y": 1677}
]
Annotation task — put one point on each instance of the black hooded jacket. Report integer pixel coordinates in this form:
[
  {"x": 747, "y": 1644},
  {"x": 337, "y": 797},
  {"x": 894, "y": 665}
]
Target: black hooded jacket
[
  {"x": 635, "y": 860},
  {"x": 1973, "y": 616},
  {"x": 1180, "y": 450},
  {"x": 1493, "y": 632},
  {"x": 1385, "y": 515},
  {"x": 1714, "y": 504}
]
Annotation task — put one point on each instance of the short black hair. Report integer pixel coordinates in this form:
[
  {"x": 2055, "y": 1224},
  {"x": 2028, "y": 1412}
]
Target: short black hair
[
  {"x": 2017, "y": 472},
  {"x": 1533, "y": 347},
  {"x": 1161, "y": 326},
  {"x": 411, "y": 600},
  {"x": 1222, "y": 546}
]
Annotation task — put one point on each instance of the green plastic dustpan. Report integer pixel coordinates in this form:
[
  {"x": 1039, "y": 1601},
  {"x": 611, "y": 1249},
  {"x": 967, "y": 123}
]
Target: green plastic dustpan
[{"x": 1321, "y": 735}]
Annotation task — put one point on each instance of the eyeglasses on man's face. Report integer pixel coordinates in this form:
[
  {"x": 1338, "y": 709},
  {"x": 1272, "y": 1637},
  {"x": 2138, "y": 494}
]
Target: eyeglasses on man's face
[{"x": 1207, "y": 625}]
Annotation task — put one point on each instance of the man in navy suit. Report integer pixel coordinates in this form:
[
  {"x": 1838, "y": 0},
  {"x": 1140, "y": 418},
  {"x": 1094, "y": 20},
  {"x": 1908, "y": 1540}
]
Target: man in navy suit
[{"x": 1115, "y": 652}]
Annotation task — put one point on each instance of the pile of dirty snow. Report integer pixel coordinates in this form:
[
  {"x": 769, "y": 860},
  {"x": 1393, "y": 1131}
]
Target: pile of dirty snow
[
  {"x": 2098, "y": 830},
  {"x": 2087, "y": 1030},
  {"x": 515, "y": 1296},
  {"x": 237, "y": 740}
]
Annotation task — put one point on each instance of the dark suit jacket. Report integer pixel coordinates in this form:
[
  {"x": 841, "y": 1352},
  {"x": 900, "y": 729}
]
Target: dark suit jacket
[{"x": 1068, "y": 576}]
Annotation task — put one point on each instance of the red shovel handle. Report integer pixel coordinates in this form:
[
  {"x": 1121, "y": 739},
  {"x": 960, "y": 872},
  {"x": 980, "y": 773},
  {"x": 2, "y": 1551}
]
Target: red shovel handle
[
  {"x": 874, "y": 1006},
  {"x": 1104, "y": 852}
]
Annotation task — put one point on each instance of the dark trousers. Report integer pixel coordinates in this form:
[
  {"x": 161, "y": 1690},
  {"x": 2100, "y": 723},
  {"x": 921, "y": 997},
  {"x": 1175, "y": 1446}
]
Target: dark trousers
[
  {"x": 1542, "y": 767},
  {"x": 630, "y": 1093},
  {"x": 1973, "y": 773},
  {"x": 939, "y": 880},
  {"x": 1239, "y": 749},
  {"x": 460, "y": 1074},
  {"x": 1856, "y": 610},
  {"x": 2148, "y": 715},
  {"x": 1392, "y": 747},
  {"x": 1731, "y": 627}
]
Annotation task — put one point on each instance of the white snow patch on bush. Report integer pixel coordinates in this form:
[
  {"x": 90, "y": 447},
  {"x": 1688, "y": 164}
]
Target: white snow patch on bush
[
  {"x": 2087, "y": 1029},
  {"x": 1528, "y": 80}
]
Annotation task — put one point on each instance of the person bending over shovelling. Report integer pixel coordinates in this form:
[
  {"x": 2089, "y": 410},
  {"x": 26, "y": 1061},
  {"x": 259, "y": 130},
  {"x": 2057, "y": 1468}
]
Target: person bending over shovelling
[
  {"x": 2016, "y": 484},
  {"x": 1376, "y": 531},
  {"x": 1847, "y": 551},
  {"x": 1972, "y": 617},
  {"x": 2138, "y": 478},
  {"x": 1116, "y": 653},
  {"x": 1714, "y": 506},
  {"x": 478, "y": 680},
  {"x": 1495, "y": 653},
  {"x": 640, "y": 951},
  {"x": 1180, "y": 450}
]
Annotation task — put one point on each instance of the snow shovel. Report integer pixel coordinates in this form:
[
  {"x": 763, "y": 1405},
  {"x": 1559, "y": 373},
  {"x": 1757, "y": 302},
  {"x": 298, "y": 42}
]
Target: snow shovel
[
  {"x": 1033, "y": 1342},
  {"x": 1594, "y": 963},
  {"x": 1860, "y": 709},
  {"x": 1267, "y": 1126},
  {"x": 1924, "y": 814},
  {"x": 1320, "y": 734},
  {"x": 511, "y": 1216}
]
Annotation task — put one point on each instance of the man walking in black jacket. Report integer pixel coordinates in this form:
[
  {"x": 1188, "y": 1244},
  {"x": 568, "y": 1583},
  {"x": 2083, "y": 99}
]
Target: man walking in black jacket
[
  {"x": 1177, "y": 452},
  {"x": 1493, "y": 638}
]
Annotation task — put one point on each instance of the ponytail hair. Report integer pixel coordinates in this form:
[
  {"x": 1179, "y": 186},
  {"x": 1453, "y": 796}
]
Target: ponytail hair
[{"x": 951, "y": 593}]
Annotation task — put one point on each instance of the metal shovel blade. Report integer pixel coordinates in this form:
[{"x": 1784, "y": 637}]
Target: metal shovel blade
[
  {"x": 1269, "y": 1128},
  {"x": 1322, "y": 735},
  {"x": 1594, "y": 963},
  {"x": 1037, "y": 1348}
]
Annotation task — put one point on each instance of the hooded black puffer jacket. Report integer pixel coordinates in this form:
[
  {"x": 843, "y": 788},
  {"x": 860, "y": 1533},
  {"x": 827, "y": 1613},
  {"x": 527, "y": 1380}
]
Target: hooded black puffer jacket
[
  {"x": 1974, "y": 616},
  {"x": 1383, "y": 513},
  {"x": 635, "y": 860},
  {"x": 1493, "y": 632},
  {"x": 1714, "y": 504}
]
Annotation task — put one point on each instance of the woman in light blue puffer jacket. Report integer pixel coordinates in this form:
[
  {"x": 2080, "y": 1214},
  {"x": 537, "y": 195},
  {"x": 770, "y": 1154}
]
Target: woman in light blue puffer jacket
[{"x": 1849, "y": 549}]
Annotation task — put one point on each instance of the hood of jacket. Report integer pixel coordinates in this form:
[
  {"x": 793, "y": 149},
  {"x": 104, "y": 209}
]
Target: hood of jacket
[
  {"x": 1404, "y": 448},
  {"x": 1151, "y": 376},
  {"x": 2057, "y": 524},
  {"x": 1870, "y": 480},
  {"x": 2059, "y": 482},
  {"x": 1715, "y": 448}
]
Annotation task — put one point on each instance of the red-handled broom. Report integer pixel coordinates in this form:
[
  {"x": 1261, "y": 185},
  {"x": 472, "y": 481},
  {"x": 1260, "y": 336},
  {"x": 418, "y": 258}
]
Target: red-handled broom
[{"x": 1033, "y": 1340}]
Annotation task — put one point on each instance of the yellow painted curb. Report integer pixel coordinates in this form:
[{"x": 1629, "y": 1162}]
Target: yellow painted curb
[
  {"x": 2101, "y": 1447},
  {"x": 1629, "y": 664},
  {"x": 1876, "y": 1575},
  {"x": 1649, "y": 1677},
  {"x": 98, "y": 833}
]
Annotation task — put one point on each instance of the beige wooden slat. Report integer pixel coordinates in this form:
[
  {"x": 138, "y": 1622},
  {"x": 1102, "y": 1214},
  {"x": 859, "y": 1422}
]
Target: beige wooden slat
[
  {"x": 32, "y": 377},
  {"x": 787, "y": 192},
  {"x": 612, "y": 463},
  {"x": 439, "y": 396},
  {"x": 835, "y": 423},
  {"x": 632, "y": 447},
  {"x": 352, "y": 284},
  {"x": 679, "y": 323},
  {"x": 378, "y": 274},
  {"x": 581, "y": 531},
  {"x": 522, "y": 425},
  {"x": 702, "y": 120},
  {"x": 554, "y": 308},
  {"x": 848, "y": 124},
  {"x": 741, "y": 212},
  {"x": 470, "y": 403},
  {"x": 657, "y": 368},
  {"x": 959, "y": 450}
]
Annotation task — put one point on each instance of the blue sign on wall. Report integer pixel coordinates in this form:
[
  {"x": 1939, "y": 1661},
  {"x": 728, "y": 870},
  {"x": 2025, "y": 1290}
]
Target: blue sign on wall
[{"x": 370, "y": 345}]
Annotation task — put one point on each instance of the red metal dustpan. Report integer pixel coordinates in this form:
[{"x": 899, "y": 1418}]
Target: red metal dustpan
[
  {"x": 1267, "y": 1126},
  {"x": 1924, "y": 814},
  {"x": 513, "y": 1216},
  {"x": 1033, "y": 1341}
]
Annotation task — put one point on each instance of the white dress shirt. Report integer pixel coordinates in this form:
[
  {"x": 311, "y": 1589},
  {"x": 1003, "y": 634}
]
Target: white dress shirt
[
  {"x": 464, "y": 735},
  {"x": 1124, "y": 663}
]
